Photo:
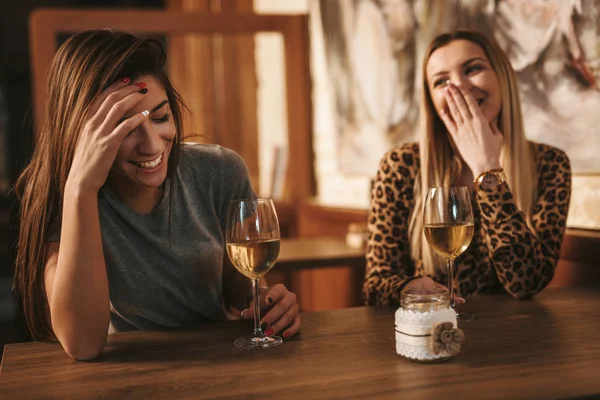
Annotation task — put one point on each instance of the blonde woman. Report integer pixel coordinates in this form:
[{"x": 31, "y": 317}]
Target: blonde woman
[
  {"x": 122, "y": 225},
  {"x": 472, "y": 135}
]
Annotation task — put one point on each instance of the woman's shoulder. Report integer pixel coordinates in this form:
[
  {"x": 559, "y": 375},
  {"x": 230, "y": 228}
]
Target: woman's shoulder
[
  {"x": 208, "y": 155},
  {"x": 406, "y": 154},
  {"x": 549, "y": 156},
  {"x": 210, "y": 162},
  {"x": 190, "y": 150}
]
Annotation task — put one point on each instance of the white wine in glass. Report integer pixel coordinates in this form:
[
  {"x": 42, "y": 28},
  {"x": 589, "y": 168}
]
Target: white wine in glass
[
  {"x": 448, "y": 227},
  {"x": 254, "y": 259},
  {"x": 252, "y": 240}
]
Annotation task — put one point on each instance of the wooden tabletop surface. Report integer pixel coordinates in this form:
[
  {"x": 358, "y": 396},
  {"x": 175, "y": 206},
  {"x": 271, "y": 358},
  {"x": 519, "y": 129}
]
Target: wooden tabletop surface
[
  {"x": 307, "y": 253},
  {"x": 548, "y": 347}
]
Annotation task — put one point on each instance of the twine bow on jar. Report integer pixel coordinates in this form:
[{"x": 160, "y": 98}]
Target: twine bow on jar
[{"x": 444, "y": 337}]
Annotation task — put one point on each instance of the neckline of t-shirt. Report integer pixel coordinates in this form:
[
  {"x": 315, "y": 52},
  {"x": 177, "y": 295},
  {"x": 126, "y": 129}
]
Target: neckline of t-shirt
[{"x": 112, "y": 198}]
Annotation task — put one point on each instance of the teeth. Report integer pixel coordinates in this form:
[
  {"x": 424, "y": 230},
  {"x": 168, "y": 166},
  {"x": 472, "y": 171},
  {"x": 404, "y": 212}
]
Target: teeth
[{"x": 150, "y": 164}]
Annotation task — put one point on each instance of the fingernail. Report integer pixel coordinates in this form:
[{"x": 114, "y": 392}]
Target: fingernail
[
  {"x": 141, "y": 85},
  {"x": 461, "y": 299},
  {"x": 145, "y": 113},
  {"x": 126, "y": 79},
  {"x": 286, "y": 334},
  {"x": 269, "y": 332},
  {"x": 270, "y": 300},
  {"x": 143, "y": 91},
  {"x": 263, "y": 326}
]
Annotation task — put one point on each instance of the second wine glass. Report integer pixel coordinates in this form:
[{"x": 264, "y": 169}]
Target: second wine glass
[
  {"x": 449, "y": 228},
  {"x": 252, "y": 236}
]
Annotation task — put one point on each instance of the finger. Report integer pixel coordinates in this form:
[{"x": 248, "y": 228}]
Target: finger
[
  {"x": 459, "y": 300},
  {"x": 452, "y": 107},
  {"x": 448, "y": 121},
  {"x": 276, "y": 293},
  {"x": 283, "y": 321},
  {"x": 472, "y": 105},
  {"x": 117, "y": 113},
  {"x": 118, "y": 84},
  {"x": 279, "y": 309},
  {"x": 293, "y": 328},
  {"x": 121, "y": 131},
  {"x": 115, "y": 97},
  {"x": 246, "y": 314},
  {"x": 461, "y": 104}
]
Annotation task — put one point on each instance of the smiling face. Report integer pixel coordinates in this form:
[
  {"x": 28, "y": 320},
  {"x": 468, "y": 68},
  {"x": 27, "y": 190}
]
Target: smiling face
[
  {"x": 143, "y": 156},
  {"x": 462, "y": 61}
]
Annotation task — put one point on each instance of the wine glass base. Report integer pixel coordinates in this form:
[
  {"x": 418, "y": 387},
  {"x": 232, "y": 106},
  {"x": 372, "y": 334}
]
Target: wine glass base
[
  {"x": 252, "y": 342},
  {"x": 464, "y": 316}
]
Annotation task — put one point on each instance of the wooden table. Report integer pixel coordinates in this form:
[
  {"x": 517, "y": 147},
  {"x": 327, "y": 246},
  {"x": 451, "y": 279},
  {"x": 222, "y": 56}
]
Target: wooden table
[
  {"x": 310, "y": 253},
  {"x": 545, "y": 348}
]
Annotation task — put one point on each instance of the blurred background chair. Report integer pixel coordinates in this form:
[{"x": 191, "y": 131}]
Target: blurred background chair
[{"x": 211, "y": 61}]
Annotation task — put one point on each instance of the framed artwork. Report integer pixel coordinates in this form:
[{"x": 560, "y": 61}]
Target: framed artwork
[{"x": 373, "y": 53}]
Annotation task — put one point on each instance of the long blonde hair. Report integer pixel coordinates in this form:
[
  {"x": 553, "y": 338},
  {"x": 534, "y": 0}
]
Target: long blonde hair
[
  {"x": 440, "y": 166},
  {"x": 83, "y": 67}
]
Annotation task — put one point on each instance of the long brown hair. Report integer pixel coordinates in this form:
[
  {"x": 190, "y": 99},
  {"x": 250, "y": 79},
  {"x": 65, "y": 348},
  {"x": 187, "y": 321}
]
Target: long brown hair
[
  {"x": 85, "y": 65},
  {"x": 440, "y": 165}
]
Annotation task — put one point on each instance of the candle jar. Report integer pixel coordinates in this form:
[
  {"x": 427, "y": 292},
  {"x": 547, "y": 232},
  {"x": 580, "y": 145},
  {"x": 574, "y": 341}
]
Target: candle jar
[{"x": 426, "y": 328}]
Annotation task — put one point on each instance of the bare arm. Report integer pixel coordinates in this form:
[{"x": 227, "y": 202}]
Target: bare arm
[
  {"x": 75, "y": 275},
  {"x": 76, "y": 281}
]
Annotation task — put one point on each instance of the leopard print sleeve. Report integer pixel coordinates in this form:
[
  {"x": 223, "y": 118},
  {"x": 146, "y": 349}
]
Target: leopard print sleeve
[
  {"x": 525, "y": 260},
  {"x": 388, "y": 262}
]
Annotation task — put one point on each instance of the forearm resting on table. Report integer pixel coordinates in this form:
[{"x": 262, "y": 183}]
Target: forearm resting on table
[{"x": 77, "y": 284}]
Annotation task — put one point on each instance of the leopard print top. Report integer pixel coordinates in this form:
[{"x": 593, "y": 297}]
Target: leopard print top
[{"x": 504, "y": 254}]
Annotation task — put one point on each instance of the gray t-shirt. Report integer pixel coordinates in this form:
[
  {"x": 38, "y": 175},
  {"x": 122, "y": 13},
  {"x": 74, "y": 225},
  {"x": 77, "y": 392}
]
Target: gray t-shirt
[{"x": 165, "y": 273}]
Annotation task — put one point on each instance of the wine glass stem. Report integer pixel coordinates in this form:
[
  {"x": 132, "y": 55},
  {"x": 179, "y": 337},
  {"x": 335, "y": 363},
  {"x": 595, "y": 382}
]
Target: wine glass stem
[
  {"x": 450, "y": 265},
  {"x": 256, "y": 296}
]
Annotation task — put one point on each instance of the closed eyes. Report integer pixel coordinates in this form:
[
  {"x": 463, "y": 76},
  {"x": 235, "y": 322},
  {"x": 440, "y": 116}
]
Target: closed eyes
[
  {"x": 163, "y": 119},
  {"x": 469, "y": 71}
]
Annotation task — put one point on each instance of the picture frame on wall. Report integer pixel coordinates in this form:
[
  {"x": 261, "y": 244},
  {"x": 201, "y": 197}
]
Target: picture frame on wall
[{"x": 373, "y": 49}]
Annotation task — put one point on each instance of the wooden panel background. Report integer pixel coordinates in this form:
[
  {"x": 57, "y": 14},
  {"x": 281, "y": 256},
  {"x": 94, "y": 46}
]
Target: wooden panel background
[{"x": 216, "y": 75}]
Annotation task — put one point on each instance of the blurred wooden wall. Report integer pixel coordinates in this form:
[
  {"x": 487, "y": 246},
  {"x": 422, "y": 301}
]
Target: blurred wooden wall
[{"x": 216, "y": 75}]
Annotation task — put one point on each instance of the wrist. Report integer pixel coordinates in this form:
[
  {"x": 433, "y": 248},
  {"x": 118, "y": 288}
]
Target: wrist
[
  {"x": 490, "y": 179},
  {"x": 482, "y": 169},
  {"x": 76, "y": 191}
]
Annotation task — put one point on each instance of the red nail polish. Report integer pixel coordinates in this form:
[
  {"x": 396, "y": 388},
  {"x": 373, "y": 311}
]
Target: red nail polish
[
  {"x": 126, "y": 79},
  {"x": 269, "y": 332},
  {"x": 141, "y": 85},
  {"x": 286, "y": 334}
]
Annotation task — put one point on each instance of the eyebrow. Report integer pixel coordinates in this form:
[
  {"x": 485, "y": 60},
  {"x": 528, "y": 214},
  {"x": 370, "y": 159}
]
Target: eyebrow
[
  {"x": 158, "y": 107},
  {"x": 469, "y": 61}
]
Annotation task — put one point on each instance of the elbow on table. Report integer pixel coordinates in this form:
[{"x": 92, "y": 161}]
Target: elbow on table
[
  {"x": 82, "y": 346},
  {"x": 83, "y": 352}
]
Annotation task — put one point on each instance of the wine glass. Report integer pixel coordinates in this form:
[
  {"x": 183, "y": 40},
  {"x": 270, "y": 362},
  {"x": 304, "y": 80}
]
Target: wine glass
[
  {"x": 448, "y": 226},
  {"x": 252, "y": 240}
]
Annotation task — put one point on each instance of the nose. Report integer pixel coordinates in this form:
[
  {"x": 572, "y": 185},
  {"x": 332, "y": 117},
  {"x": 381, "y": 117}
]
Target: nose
[
  {"x": 464, "y": 80},
  {"x": 150, "y": 141}
]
